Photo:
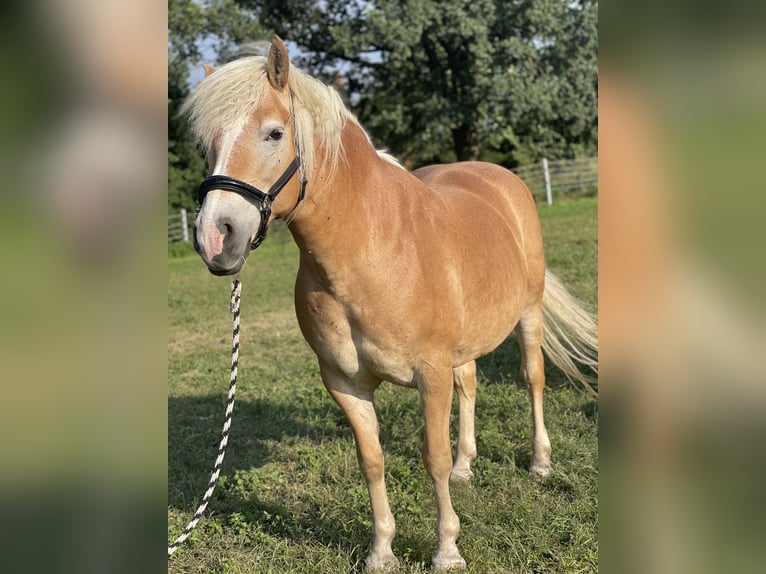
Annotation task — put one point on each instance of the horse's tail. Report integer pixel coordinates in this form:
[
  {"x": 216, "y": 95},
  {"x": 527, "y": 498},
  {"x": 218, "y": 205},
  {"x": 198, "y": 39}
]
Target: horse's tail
[{"x": 571, "y": 333}]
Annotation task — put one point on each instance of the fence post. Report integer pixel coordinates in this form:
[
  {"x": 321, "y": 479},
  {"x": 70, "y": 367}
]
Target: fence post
[
  {"x": 547, "y": 176},
  {"x": 184, "y": 225}
]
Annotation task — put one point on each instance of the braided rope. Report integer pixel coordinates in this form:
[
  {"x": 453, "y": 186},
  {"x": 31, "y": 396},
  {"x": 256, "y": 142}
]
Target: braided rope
[{"x": 236, "y": 290}]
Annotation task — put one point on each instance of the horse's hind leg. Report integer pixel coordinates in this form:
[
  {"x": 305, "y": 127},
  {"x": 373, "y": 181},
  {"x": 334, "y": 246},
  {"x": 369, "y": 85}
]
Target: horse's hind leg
[
  {"x": 530, "y": 334},
  {"x": 464, "y": 378}
]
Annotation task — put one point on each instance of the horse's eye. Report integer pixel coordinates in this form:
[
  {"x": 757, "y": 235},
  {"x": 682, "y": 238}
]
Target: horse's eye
[{"x": 275, "y": 135}]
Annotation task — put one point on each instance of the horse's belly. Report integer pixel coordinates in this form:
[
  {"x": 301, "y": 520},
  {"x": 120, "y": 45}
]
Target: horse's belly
[{"x": 482, "y": 334}]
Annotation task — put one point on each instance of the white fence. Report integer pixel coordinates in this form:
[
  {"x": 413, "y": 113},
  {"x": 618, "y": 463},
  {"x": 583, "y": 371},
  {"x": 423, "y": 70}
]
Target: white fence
[
  {"x": 559, "y": 177},
  {"x": 178, "y": 227}
]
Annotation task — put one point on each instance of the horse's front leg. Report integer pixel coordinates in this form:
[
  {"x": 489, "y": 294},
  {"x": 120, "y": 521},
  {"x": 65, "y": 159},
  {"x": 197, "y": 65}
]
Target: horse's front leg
[
  {"x": 435, "y": 386},
  {"x": 355, "y": 399}
]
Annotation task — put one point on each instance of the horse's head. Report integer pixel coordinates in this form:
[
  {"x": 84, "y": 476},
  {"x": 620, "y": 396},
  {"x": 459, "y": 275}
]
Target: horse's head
[{"x": 247, "y": 152}]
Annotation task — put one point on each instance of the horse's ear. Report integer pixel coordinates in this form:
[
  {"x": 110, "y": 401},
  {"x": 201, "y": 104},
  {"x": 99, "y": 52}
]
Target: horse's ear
[
  {"x": 278, "y": 64},
  {"x": 208, "y": 69}
]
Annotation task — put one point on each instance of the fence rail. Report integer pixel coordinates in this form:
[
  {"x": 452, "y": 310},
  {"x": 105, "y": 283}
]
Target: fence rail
[
  {"x": 178, "y": 227},
  {"x": 549, "y": 179}
]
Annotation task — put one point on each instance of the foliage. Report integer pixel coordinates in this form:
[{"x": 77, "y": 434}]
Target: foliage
[
  {"x": 444, "y": 81},
  {"x": 292, "y": 499}
]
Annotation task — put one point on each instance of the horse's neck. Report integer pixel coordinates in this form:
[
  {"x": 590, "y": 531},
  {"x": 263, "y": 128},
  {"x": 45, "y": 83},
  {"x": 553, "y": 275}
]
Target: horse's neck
[{"x": 338, "y": 215}]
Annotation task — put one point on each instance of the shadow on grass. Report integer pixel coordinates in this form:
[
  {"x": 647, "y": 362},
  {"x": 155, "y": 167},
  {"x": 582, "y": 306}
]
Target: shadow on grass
[
  {"x": 194, "y": 433},
  {"x": 258, "y": 428}
]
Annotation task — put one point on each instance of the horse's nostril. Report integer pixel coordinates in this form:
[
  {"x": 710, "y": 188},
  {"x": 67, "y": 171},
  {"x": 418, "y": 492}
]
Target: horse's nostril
[{"x": 224, "y": 226}]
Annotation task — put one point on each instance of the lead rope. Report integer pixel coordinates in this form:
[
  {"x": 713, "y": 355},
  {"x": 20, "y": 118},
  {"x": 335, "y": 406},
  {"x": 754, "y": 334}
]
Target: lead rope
[{"x": 236, "y": 290}]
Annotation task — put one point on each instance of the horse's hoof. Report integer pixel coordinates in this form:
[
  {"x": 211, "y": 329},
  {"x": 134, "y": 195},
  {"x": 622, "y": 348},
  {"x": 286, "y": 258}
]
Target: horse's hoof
[
  {"x": 448, "y": 562},
  {"x": 381, "y": 564},
  {"x": 461, "y": 475},
  {"x": 540, "y": 471}
]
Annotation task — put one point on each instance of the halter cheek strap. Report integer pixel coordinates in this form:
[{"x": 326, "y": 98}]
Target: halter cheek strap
[{"x": 262, "y": 200}]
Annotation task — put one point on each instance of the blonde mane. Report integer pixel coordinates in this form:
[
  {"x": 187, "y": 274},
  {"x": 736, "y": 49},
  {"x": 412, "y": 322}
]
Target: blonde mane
[{"x": 230, "y": 95}]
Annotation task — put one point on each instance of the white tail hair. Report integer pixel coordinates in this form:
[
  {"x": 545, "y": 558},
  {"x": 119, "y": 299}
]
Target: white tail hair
[{"x": 571, "y": 333}]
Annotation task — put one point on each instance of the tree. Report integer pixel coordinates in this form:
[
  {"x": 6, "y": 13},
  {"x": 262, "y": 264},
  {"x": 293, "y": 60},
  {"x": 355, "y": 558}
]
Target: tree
[
  {"x": 550, "y": 81},
  {"x": 445, "y": 81}
]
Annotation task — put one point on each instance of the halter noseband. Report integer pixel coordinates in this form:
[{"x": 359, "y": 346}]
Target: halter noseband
[{"x": 263, "y": 200}]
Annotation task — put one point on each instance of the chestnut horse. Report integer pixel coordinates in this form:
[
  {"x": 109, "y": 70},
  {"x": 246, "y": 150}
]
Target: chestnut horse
[{"x": 404, "y": 277}]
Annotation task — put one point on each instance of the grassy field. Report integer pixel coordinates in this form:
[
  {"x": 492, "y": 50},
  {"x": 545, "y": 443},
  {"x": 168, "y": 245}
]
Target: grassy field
[{"x": 291, "y": 497}]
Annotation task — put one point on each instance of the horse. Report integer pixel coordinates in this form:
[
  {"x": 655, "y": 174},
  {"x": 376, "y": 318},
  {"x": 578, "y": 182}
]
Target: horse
[{"x": 403, "y": 277}]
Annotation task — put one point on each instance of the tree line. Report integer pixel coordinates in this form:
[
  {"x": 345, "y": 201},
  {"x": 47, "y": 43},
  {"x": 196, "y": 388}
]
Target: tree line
[{"x": 506, "y": 81}]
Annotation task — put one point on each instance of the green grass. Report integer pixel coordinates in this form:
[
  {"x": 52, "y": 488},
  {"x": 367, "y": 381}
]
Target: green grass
[{"x": 291, "y": 497}]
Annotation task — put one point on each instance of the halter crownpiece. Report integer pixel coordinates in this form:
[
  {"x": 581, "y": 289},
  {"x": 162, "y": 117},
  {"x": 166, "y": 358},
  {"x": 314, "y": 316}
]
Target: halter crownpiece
[{"x": 263, "y": 200}]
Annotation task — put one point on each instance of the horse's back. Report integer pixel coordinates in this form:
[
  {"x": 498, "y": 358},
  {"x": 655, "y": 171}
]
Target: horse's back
[
  {"x": 480, "y": 178},
  {"x": 502, "y": 190}
]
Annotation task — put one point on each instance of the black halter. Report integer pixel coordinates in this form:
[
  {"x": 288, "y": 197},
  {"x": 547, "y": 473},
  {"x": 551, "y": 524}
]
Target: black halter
[{"x": 262, "y": 199}]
